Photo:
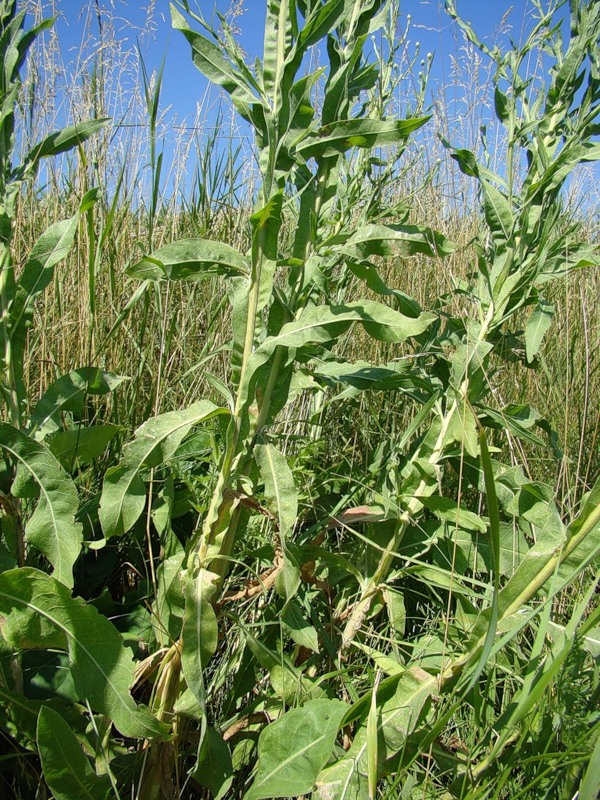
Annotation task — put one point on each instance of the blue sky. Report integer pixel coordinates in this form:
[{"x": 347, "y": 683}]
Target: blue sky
[{"x": 183, "y": 85}]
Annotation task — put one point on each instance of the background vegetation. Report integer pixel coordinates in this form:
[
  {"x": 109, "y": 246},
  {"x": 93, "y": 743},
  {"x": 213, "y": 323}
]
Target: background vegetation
[{"x": 351, "y": 552}]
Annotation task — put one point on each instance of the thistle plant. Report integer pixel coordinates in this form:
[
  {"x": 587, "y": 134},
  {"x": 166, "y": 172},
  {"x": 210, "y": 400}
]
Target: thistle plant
[{"x": 276, "y": 645}]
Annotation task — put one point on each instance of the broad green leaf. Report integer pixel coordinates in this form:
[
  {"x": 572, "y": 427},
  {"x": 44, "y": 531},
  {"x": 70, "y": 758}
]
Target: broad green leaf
[
  {"x": 200, "y": 632},
  {"x": 266, "y": 224},
  {"x": 394, "y": 240},
  {"x": 346, "y": 778},
  {"x": 293, "y": 749},
  {"x": 583, "y": 535},
  {"x": 52, "y": 527},
  {"x": 190, "y": 259},
  {"x": 214, "y": 768},
  {"x": 52, "y": 246},
  {"x": 124, "y": 491},
  {"x": 498, "y": 213},
  {"x": 398, "y": 716},
  {"x": 462, "y": 428},
  {"x": 476, "y": 549},
  {"x": 81, "y": 444},
  {"x": 396, "y": 609},
  {"x": 321, "y": 21},
  {"x": 170, "y": 599},
  {"x": 281, "y": 494},
  {"x": 321, "y": 324},
  {"x": 337, "y": 137},
  {"x": 209, "y": 59},
  {"x": 67, "y": 770},
  {"x": 39, "y": 612},
  {"x": 386, "y": 664},
  {"x": 364, "y": 376},
  {"x": 63, "y": 140},
  {"x": 18, "y": 714},
  {"x": 68, "y": 394},
  {"x": 538, "y": 324}
]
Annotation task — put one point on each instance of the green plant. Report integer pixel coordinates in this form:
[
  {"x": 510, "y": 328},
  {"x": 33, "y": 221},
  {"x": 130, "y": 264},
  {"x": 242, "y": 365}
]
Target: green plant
[{"x": 393, "y": 622}]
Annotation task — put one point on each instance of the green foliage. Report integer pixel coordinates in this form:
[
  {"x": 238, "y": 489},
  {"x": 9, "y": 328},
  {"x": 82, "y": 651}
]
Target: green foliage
[
  {"x": 350, "y": 525},
  {"x": 39, "y": 612},
  {"x": 67, "y": 770}
]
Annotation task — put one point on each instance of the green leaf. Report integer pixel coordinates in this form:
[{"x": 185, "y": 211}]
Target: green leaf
[
  {"x": 82, "y": 444},
  {"x": 539, "y": 322},
  {"x": 298, "y": 627},
  {"x": 281, "y": 494},
  {"x": 39, "y": 612},
  {"x": 293, "y": 749},
  {"x": 448, "y": 510},
  {"x": 398, "y": 716},
  {"x": 124, "y": 491},
  {"x": 209, "y": 59},
  {"x": 214, "y": 768},
  {"x": 462, "y": 428},
  {"x": 67, "y": 770},
  {"x": 200, "y": 631},
  {"x": 320, "y": 324},
  {"x": 394, "y": 240},
  {"x": 68, "y": 394},
  {"x": 170, "y": 600},
  {"x": 337, "y": 137},
  {"x": 396, "y": 609},
  {"x": 346, "y": 778},
  {"x": 589, "y": 788},
  {"x": 52, "y": 246},
  {"x": 52, "y": 527},
  {"x": 190, "y": 259},
  {"x": 281, "y": 497},
  {"x": 63, "y": 140},
  {"x": 498, "y": 213}
]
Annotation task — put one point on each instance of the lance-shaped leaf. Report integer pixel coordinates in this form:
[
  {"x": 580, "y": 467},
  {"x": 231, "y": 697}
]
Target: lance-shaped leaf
[
  {"x": 346, "y": 778},
  {"x": 209, "y": 59},
  {"x": 539, "y": 322},
  {"x": 61, "y": 141},
  {"x": 293, "y": 750},
  {"x": 338, "y": 137},
  {"x": 52, "y": 246},
  {"x": 394, "y": 240},
  {"x": 52, "y": 527},
  {"x": 281, "y": 497},
  {"x": 68, "y": 393},
  {"x": 190, "y": 259},
  {"x": 124, "y": 490},
  {"x": 82, "y": 444},
  {"x": 67, "y": 770},
  {"x": 321, "y": 324},
  {"x": 200, "y": 631},
  {"x": 39, "y": 612}
]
